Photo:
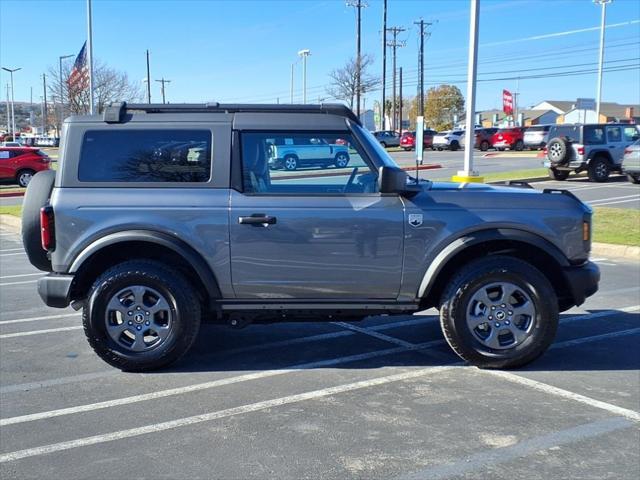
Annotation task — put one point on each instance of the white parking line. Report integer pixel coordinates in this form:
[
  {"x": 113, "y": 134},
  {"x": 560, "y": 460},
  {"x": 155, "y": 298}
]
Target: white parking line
[
  {"x": 23, "y": 282},
  {"x": 39, "y": 332},
  {"x": 560, "y": 392},
  {"x": 203, "y": 386},
  {"x": 526, "y": 447},
  {"x": 619, "y": 201},
  {"x": 3, "y": 277},
  {"x": 594, "y": 338},
  {"x": 11, "y": 250},
  {"x": 229, "y": 412},
  {"x": 35, "y": 319},
  {"x": 633, "y": 197},
  {"x": 11, "y": 254}
]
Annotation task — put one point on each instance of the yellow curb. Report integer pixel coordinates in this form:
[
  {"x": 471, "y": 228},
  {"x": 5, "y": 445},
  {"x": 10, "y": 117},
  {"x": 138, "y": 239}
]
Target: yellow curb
[{"x": 459, "y": 179}]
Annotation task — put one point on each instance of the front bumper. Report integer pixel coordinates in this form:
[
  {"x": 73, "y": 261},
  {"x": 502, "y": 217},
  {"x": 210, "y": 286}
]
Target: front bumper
[
  {"x": 55, "y": 289},
  {"x": 582, "y": 280}
]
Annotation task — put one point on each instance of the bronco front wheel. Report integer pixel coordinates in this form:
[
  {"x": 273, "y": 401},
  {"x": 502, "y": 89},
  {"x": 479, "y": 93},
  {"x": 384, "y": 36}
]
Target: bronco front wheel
[
  {"x": 141, "y": 316},
  {"x": 499, "y": 312}
]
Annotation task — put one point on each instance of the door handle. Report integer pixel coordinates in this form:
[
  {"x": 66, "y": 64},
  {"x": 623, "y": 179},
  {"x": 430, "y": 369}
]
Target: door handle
[{"x": 257, "y": 220}]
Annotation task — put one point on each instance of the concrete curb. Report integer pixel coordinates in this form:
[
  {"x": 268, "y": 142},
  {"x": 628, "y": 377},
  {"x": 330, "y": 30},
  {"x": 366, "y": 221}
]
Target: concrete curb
[
  {"x": 11, "y": 223},
  {"x": 618, "y": 251}
]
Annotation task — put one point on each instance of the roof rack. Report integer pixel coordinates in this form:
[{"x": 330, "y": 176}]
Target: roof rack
[{"x": 115, "y": 112}]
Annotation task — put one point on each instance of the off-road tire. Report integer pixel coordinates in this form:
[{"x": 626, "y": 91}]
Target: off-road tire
[
  {"x": 182, "y": 299},
  {"x": 467, "y": 281},
  {"x": 560, "y": 175},
  {"x": 599, "y": 169},
  {"x": 36, "y": 197},
  {"x": 635, "y": 178},
  {"x": 558, "y": 151}
]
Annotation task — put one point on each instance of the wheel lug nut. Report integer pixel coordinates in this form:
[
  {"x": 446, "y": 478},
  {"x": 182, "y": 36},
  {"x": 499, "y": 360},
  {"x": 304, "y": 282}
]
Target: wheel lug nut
[
  {"x": 510, "y": 312},
  {"x": 138, "y": 307},
  {"x": 497, "y": 324},
  {"x": 147, "y": 323},
  {"x": 130, "y": 322},
  {"x": 507, "y": 322},
  {"x": 490, "y": 317},
  {"x": 146, "y": 313},
  {"x": 129, "y": 313},
  {"x": 503, "y": 305},
  {"x": 493, "y": 307},
  {"x": 138, "y": 327}
]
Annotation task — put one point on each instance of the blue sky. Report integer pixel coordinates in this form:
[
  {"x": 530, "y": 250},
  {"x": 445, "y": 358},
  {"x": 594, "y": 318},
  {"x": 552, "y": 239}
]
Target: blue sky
[{"x": 243, "y": 50}]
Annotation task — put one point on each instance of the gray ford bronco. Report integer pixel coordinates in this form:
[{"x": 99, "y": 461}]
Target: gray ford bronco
[{"x": 161, "y": 217}]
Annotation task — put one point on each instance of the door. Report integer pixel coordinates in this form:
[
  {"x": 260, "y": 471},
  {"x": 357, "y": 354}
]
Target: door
[
  {"x": 614, "y": 143},
  {"x": 313, "y": 234},
  {"x": 7, "y": 169}
]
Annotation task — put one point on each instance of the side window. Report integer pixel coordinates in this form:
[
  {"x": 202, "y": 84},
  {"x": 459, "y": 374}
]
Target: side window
[
  {"x": 613, "y": 134},
  {"x": 594, "y": 135},
  {"x": 313, "y": 163},
  {"x": 5, "y": 154},
  {"x": 145, "y": 156},
  {"x": 630, "y": 134}
]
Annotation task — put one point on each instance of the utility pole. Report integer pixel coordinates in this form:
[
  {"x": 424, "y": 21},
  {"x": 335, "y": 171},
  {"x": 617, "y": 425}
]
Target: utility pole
[
  {"x": 422, "y": 34},
  {"x": 358, "y": 4},
  {"x": 163, "y": 81},
  {"x": 400, "y": 110},
  {"x": 148, "y": 80},
  {"x": 384, "y": 63},
  {"x": 603, "y": 20},
  {"x": 44, "y": 104},
  {"x": 394, "y": 44}
]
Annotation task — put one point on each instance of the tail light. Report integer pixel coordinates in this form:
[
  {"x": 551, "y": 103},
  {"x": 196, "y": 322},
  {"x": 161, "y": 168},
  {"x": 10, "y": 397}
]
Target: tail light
[
  {"x": 627, "y": 151},
  {"x": 544, "y": 150},
  {"x": 47, "y": 231},
  {"x": 580, "y": 150}
]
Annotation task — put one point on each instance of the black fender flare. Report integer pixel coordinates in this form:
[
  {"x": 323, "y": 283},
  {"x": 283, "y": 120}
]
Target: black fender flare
[
  {"x": 191, "y": 256},
  {"x": 451, "y": 249}
]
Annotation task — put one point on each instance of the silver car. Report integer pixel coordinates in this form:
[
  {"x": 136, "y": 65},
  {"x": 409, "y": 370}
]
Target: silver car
[{"x": 631, "y": 162}]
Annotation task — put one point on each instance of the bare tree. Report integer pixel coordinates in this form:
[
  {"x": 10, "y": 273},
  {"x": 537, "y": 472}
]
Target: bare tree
[
  {"x": 109, "y": 84},
  {"x": 344, "y": 80}
]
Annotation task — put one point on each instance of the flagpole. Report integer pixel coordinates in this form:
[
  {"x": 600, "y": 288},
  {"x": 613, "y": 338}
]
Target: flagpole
[{"x": 90, "y": 58}]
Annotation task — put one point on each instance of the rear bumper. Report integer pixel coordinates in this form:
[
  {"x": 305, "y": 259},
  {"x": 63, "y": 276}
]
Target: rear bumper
[
  {"x": 55, "y": 289},
  {"x": 583, "y": 281}
]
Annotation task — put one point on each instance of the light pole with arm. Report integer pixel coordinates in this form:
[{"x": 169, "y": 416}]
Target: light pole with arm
[
  {"x": 304, "y": 54},
  {"x": 603, "y": 4},
  {"x": 13, "y": 114}
]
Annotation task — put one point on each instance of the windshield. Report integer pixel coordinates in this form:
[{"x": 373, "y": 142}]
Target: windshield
[{"x": 375, "y": 145}]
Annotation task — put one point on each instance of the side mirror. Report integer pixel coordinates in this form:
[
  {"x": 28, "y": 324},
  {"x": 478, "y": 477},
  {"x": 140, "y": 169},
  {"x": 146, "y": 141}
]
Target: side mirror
[{"x": 394, "y": 180}]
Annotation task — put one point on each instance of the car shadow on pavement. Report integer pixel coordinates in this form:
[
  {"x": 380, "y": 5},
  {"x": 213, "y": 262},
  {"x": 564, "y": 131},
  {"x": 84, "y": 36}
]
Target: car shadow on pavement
[{"x": 581, "y": 345}]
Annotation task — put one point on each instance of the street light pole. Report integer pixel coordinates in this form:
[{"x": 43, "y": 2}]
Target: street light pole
[
  {"x": 603, "y": 4},
  {"x": 469, "y": 174},
  {"x": 148, "y": 80},
  {"x": 13, "y": 113},
  {"x": 304, "y": 54},
  {"x": 60, "y": 59}
]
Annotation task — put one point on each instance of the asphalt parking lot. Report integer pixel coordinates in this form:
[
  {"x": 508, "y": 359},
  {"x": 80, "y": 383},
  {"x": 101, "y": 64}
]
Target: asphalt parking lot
[{"x": 384, "y": 398}]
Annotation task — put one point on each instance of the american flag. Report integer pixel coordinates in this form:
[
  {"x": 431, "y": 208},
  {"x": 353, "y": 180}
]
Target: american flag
[{"x": 79, "y": 77}]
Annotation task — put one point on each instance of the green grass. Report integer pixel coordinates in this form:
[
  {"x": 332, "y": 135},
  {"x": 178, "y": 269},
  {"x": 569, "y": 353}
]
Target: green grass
[
  {"x": 15, "y": 210},
  {"x": 616, "y": 225}
]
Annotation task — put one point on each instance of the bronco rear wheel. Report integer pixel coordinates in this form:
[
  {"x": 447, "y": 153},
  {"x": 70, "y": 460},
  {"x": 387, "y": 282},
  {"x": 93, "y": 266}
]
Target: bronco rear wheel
[
  {"x": 499, "y": 312},
  {"x": 36, "y": 197},
  {"x": 141, "y": 316}
]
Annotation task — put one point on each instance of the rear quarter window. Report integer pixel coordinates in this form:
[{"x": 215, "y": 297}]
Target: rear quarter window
[{"x": 158, "y": 156}]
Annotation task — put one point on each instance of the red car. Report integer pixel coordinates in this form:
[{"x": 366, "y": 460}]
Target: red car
[
  {"x": 19, "y": 164},
  {"x": 408, "y": 140},
  {"x": 512, "y": 138}
]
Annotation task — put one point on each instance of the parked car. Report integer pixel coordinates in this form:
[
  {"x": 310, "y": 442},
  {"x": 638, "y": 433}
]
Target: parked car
[
  {"x": 536, "y": 137},
  {"x": 631, "y": 162},
  {"x": 483, "y": 138},
  {"x": 511, "y": 138},
  {"x": 596, "y": 148},
  {"x": 291, "y": 152},
  {"x": 11, "y": 144},
  {"x": 387, "y": 138},
  {"x": 20, "y": 164},
  {"x": 448, "y": 140},
  {"x": 408, "y": 139},
  {"x": 237, "y": 243}
]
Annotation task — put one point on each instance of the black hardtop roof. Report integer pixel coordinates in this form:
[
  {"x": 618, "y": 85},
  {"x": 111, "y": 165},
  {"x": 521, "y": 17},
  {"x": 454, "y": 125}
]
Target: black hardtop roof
[{"x": 116, "y": 112}]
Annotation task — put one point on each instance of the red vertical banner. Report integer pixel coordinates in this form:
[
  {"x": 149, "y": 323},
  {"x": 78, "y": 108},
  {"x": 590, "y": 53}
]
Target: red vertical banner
[{"x": 507, "y": 102}]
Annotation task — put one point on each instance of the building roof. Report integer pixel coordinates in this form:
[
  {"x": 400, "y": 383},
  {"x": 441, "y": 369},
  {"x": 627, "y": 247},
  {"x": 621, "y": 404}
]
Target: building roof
[
  {"x": 528, "y": 114},
  {"x": 564, "y": 105}
]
